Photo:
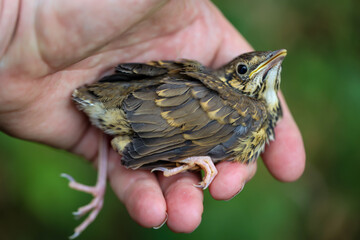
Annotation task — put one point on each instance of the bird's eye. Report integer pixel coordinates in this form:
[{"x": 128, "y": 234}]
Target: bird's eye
[{"x": 241, "y": 69}]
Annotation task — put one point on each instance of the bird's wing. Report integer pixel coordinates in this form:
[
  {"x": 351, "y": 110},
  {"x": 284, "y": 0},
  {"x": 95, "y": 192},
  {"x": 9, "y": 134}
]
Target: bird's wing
[
  {"x": 111, "y": 90},
  {"x": 134, "y": 71},
  {"x": 179, "y": 119}
]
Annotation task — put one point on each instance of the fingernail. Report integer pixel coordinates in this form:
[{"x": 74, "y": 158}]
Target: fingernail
[
  {"x": 162, "y": 224},
  {"x": 240, "y": 190}
]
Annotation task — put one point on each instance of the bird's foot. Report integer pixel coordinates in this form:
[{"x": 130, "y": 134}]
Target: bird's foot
[
  {"x": 98, "y": 191},
  {"x": 204, "y": 162},
  {"x": 93, "y": 208}
]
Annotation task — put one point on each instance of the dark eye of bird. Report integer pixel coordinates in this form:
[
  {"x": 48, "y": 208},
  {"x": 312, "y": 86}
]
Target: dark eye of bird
[{"x": 241, "y": 69}]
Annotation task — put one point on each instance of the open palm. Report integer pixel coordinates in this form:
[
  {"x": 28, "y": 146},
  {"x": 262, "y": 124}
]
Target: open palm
[{"x": 56, "y": 46}]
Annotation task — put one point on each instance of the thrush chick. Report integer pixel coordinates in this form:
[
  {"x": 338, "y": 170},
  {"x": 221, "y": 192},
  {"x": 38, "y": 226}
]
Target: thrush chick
[{"x": 174, "y": 116}]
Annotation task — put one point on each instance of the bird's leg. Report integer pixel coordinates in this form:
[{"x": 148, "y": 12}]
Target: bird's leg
[
  {"x": 203, "y": 162},
  {"x": 98, "y": 191}
]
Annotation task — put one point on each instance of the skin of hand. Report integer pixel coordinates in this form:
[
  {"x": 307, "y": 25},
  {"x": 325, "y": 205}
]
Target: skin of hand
[{"x": 49, "y": 49}]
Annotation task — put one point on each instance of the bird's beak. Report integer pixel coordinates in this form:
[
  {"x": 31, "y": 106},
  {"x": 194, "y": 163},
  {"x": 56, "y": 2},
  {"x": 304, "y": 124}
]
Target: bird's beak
[{"x": 272, "y": 59}]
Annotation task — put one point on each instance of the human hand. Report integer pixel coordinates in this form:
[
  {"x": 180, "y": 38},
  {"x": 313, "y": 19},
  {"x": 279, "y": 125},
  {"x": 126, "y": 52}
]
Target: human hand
[{"x": 57, "y": 46}]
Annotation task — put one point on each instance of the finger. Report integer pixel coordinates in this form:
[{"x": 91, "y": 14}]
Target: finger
[
  {"x": 121, "y": 24},
  {"x": 231, "y": 179},
  {"x": 139, "y": 191},
  {"x": 285, "y": 157},
  {"x": 184, "y": 201},
  {"x": 70, "y": 18}
]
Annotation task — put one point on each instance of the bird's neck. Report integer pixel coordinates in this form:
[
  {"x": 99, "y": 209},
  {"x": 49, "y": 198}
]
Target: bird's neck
[{"x": 275, "y": 113}]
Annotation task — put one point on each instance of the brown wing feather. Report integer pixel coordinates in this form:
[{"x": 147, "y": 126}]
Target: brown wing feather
[
  {"x": 198, "y": 120},
  {"x": 170, "y": 110}
]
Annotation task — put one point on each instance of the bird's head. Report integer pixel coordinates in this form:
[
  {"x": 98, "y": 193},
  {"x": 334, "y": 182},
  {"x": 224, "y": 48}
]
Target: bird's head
[{"x": 257, "y": 75}]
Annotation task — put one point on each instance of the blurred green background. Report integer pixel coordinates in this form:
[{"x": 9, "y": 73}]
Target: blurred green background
[{"x": 321, "y": 82}]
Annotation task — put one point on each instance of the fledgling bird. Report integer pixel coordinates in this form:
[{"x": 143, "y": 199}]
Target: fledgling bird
[{"x": 174, "y": 116}]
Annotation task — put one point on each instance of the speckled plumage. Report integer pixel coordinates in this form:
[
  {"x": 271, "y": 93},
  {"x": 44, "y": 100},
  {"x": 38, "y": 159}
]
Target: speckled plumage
[{"x": 162, "y": 112}]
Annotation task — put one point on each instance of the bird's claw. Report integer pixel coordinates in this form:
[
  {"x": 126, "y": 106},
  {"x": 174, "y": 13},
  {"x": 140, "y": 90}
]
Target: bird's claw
[
  {"x": 98, "y": 191},
  {"x": 203, "y": 162},
  {"x": 68, "y": 177}
]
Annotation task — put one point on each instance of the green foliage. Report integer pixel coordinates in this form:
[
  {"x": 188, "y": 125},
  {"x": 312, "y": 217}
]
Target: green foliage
[{"x": 321, "y": 81}]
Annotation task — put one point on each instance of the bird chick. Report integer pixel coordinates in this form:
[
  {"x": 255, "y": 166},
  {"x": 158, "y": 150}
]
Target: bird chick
[{"x": 173, "y": 116}]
